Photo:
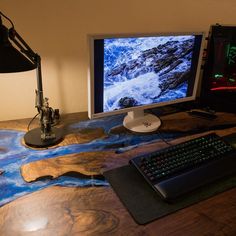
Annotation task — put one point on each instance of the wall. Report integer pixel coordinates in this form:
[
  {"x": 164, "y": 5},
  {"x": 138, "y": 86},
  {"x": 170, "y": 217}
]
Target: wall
[{"x": 58, "y": 30}]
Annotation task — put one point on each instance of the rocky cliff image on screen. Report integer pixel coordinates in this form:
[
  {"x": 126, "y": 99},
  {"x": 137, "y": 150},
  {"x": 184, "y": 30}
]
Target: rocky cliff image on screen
[{"x": 146, "y": 70}]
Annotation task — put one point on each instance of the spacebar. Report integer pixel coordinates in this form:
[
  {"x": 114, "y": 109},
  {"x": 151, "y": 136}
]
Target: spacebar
[{"x": 183, "y": 183}]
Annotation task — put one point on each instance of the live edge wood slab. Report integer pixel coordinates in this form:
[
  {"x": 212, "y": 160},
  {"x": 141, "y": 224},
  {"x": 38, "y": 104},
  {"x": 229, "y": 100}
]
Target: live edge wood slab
[
  {"x": 94, "y": 211},
  {"x": 88, "y": 164},
  {"x": 92, "y": 163},
  {"x": 97, "y": 210}
]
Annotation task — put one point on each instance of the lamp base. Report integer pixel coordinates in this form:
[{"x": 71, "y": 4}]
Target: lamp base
[{"x": 33, "y": 138}]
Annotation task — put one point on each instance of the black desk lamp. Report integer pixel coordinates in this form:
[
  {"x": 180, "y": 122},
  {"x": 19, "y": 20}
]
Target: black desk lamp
[{"x": 23, "y": 58}]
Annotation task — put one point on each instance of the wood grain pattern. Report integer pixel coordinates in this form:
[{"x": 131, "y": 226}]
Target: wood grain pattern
[
  {"x": 183, "y": 122},
  {"x": 60, "y": 211},
  {"x": 97, "y": 211},
  {"x": 83, "y": 136},
  {"x": 89, "y": 164}
]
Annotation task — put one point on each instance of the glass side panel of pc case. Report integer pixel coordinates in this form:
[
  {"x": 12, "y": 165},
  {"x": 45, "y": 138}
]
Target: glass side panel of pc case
[{"x": 219, "y": 77}]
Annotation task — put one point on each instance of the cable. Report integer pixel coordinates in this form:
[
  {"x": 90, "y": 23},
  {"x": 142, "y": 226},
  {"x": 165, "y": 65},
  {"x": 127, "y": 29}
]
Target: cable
[
  {"x": 163, "y": 139},
  {"x": 28, "y": 127}
]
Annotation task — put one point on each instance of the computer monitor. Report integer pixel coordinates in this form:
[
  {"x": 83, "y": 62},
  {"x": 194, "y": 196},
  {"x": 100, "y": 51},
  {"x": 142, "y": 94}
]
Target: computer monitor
[
  {"x": 219, "y": 78},
  {"x": 132, "y": 73}
]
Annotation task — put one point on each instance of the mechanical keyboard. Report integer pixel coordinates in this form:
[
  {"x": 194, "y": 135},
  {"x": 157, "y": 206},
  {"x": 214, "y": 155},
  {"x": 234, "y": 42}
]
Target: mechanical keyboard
[{"x": 182, "y": 168}]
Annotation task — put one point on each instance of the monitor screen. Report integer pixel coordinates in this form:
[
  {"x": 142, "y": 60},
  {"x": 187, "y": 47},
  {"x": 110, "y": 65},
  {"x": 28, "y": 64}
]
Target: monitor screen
[{"x": 137, "y": 72}]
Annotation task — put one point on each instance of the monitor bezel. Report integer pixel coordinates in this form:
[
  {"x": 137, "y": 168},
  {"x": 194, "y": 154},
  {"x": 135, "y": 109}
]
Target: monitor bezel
[{"x": 91, "y": 83}]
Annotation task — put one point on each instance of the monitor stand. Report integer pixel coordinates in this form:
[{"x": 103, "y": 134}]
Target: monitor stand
[{"x": 141, "y": 122}]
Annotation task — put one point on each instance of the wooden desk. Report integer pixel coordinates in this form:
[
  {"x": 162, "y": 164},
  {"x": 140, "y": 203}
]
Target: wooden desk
[{"x": 95, "y": 210}]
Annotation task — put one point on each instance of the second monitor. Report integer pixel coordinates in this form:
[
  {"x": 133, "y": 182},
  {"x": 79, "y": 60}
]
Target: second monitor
[{"x": 131, "y": 73}]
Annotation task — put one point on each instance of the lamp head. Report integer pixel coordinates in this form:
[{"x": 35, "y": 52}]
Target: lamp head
[{"x": 11, "y": 60}]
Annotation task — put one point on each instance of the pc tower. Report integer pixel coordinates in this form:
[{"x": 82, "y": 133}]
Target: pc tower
[{"x": 218, "y": 90}]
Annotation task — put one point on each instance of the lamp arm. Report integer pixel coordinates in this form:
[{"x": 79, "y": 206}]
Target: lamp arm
[
  {"x": 40, "y": 98},
  {"x": 34, "y": 58},
  {"x": 22, "y": 45},
  {"x": 46, "y": 113},
  {"x": 1, "y": 14}
]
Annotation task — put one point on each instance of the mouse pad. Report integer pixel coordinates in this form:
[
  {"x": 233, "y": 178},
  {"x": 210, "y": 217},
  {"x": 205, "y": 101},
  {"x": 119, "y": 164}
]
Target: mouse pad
[{"x": 144, "y": 204}]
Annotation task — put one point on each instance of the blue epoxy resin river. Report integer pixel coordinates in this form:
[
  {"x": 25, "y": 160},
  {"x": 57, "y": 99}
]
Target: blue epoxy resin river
[{"x": 13, "y": 155}]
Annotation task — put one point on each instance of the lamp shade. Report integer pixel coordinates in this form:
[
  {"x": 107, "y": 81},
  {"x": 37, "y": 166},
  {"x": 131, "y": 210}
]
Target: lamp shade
[{"x": 12, "y": 60}]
